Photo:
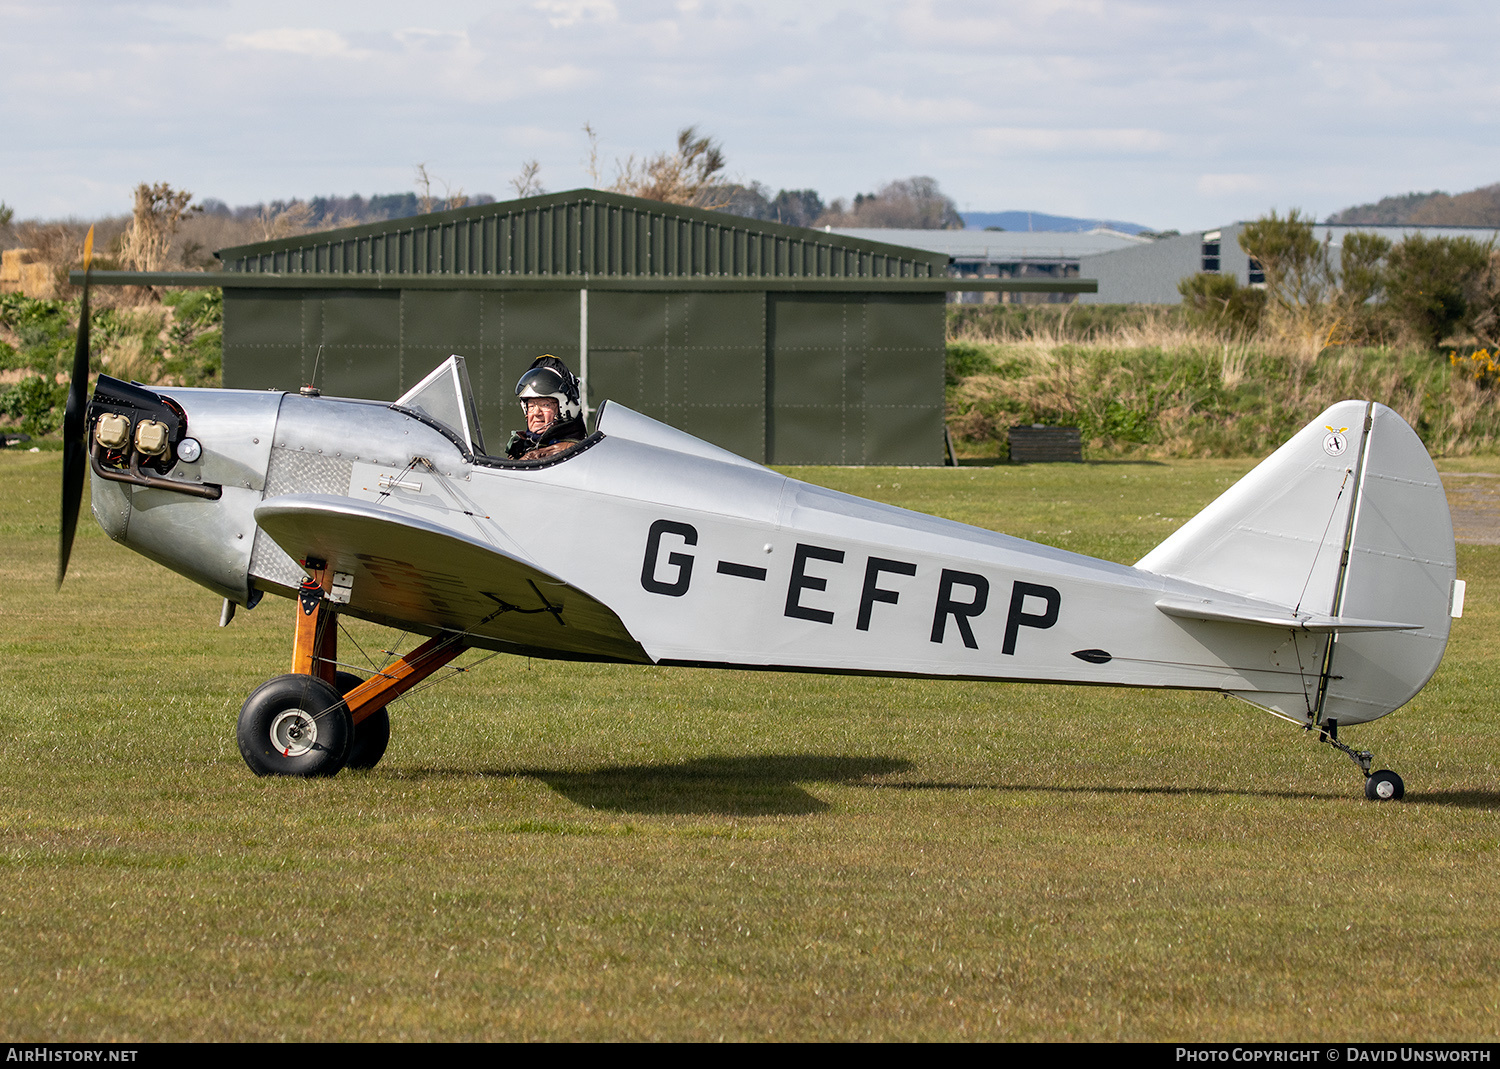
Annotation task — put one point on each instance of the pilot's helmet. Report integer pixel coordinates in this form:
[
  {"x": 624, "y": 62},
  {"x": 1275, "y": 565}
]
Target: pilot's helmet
[{"x": 550, "y": 377}]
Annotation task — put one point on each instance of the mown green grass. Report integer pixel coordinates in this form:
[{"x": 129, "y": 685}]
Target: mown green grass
[{"x": 556, "y": 851}]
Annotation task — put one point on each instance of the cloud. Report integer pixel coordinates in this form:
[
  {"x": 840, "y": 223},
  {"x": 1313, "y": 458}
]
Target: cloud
[
  {"x": 1223, "y": 185},
  {"x": 298, "y": 42},
  {"x": 870, "y": 103},
  {"x": 1166, "y": 111},
  {"x": 1064, "y": 142},
  {"x": 417, "y": 37},
  {"x": 562, "y": 13}
]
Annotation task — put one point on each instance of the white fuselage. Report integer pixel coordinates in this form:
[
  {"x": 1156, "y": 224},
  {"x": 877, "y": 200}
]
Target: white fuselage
[{"x": 710, "y": 559}]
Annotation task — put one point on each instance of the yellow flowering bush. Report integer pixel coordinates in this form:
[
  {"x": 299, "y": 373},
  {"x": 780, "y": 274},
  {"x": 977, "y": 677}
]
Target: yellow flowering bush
[{"x": 1479, "y": 366}]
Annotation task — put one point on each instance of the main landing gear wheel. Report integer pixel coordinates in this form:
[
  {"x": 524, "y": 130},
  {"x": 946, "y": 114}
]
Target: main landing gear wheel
[
  {"x": 295, "y": 725},
  {"x": 1384, "y": 786},
  {"x": 371, "y": 735}
]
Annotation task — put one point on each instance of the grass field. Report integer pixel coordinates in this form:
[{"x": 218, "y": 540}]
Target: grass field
[{"x": 592, "y": 852}]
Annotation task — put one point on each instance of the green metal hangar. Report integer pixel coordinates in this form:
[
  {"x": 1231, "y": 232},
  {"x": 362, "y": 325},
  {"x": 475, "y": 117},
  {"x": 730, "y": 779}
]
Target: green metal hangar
[{"x": 783, "y": 344}]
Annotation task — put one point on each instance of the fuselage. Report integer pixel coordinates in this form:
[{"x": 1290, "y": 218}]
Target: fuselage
[{"x": 705, "y": 557}]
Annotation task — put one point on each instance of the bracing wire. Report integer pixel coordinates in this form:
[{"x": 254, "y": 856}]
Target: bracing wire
[{"x": 1324, "y": 539}]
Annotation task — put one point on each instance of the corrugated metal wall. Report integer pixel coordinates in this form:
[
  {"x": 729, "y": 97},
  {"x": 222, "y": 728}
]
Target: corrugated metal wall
[
  {"x": 846, "y": 377},
  {"x": 582, "y": 237},
  {"x": 854, "y": 379},
  {"x": 778, "y": 378}
]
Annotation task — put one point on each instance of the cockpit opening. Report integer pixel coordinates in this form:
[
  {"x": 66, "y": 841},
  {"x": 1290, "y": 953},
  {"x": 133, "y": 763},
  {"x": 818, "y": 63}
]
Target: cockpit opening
[{"x": 445, "y": 401}]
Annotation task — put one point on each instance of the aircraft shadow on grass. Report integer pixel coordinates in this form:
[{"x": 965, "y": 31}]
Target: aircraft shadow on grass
[
  {"x": 1460, "y": 799},
  {"x": 772, "y": 785},
  {"x": 765, "y": 785}
]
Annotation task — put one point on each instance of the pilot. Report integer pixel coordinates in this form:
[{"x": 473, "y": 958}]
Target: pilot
[{"x": 550, "y": 398}]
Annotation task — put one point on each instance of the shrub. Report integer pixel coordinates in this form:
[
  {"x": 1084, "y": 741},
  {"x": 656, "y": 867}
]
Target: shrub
[
  {"x": 36, "y": 403},
  {"x": 965, "y": 359},
  {"x": 1187, "y": 395},
  {"x": 1312, "y": 302},
  {"x": 195, "y": 354},
  {"x": 1428, "y": 282},
  {"x": 1219, "y": 303},
  {"x": 1483, "y": 300},
  {"x": 1479, "y": 367}
]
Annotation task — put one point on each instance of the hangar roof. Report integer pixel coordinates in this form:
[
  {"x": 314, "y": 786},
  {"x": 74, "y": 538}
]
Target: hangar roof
[
  {"x": 585, "y": 233},
  {"x": 585, "y": 239}
]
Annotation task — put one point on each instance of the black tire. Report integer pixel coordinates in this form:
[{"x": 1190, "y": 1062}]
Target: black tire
[
  {"x": 1384, "y": 786},
  {"x": 295, "y": 725},
  {"x": 371, "y": 735}
]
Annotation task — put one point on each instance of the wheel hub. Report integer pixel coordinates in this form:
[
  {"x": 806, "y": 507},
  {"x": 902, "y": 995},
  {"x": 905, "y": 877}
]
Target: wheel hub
[{"x": 294, "y": 733}]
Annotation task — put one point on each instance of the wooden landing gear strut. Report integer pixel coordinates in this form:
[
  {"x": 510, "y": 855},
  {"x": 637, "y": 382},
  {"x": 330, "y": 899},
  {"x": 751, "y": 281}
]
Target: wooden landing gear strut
[{"x": 316, "y": 720}]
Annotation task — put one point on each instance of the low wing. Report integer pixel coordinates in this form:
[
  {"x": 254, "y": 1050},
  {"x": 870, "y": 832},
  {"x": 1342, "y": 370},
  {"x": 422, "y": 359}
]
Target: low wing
[{"x": 414, "y": 574}]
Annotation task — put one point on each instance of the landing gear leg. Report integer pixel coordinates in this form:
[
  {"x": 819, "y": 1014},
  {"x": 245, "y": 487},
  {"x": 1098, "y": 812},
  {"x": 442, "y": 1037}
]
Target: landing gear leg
[
  {"x": 297, "y": 724},
  {"x": 1382, "y": 786},
  {"x": 317, "y": 720}
]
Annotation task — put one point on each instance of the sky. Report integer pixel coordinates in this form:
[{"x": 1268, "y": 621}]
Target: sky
[{"x": 1178, "y": 115}]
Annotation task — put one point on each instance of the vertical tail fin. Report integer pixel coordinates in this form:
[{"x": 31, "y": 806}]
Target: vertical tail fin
[{"x": 1347, "y": 519}]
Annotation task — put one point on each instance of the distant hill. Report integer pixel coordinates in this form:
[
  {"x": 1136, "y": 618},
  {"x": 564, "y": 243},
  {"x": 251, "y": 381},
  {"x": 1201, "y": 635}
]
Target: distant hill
[
  {"x": 1042, "y": 221},
  {"x": 1478, "y": 207}
]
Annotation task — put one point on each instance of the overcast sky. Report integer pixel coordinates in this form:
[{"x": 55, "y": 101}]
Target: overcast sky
[{"x": 1170, "y": 114}]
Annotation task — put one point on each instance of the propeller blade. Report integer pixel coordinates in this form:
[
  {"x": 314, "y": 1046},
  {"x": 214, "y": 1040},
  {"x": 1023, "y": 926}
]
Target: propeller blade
[{"x": 75, "y": 447}]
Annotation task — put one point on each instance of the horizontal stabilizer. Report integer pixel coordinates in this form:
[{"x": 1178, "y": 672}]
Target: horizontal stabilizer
[{"x": 1198, "y": 609}]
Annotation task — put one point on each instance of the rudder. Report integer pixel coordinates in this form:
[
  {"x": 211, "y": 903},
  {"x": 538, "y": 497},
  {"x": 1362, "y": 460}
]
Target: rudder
[{"x": 1402, "y": 563}]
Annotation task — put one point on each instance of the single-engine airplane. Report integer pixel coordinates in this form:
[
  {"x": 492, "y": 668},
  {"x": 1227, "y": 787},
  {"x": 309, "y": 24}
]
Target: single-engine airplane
[{"x": 1320, "y": 587}]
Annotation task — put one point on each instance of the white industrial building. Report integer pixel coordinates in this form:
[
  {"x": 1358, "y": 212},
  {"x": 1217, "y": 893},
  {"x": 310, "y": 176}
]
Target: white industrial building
[
  {"x": 1007, "y": 253},
  {"x": 1148, "y": 272}
]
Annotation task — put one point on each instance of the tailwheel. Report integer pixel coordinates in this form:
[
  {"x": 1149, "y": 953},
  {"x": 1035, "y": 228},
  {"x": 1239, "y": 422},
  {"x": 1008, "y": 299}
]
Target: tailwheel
[
  {"x": 371, "y": 735},
  {"x": 1384, "y": 786},
  {"x": 295, "y": 725}
]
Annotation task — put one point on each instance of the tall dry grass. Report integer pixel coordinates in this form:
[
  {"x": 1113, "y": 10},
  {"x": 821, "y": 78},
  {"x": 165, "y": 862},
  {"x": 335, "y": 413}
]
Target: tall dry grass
[{"x": 1148, "y": 383}]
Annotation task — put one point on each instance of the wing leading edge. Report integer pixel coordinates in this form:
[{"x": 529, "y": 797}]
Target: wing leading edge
[{"x": 419, "y": 575}]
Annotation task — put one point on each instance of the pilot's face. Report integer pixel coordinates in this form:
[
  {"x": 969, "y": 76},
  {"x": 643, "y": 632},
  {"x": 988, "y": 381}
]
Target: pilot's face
[{"x": 541, "y": 412}]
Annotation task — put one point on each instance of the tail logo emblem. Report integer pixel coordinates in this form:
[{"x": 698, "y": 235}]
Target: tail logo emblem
[{"x": 1334, "y": 442}]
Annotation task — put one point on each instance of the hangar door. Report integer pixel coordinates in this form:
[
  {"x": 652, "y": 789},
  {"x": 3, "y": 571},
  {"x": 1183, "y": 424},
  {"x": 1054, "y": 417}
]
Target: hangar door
[
  {"x": 696, "y": 361},
  {"x": 854, "y": 378},
  {"x": 783, "y": 378}
]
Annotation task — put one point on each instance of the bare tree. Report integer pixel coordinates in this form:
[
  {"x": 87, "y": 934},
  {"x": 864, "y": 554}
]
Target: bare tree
[
  {"x": 595, "y": 181},
  {"x": 691, "y": 174},
  {"x": 159, "y": 209},
  {"x": 527, "y": 184},
  {"x": 427, "y": 202},
  {"x": 915, "y": 203},
  {"x": 279, "y": 220}
]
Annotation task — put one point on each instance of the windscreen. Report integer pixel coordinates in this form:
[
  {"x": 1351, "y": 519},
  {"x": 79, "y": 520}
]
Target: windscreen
[{"x": 444, "y": 397}]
